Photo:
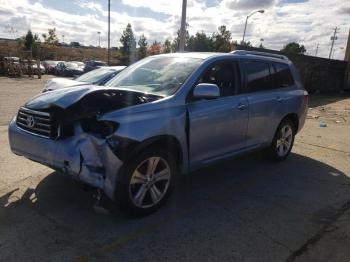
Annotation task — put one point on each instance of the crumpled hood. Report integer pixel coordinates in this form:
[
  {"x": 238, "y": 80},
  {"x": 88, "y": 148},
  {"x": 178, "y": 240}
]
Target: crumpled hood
[
  {"x": 80, "y": 101},
  {"x": 62, "y": 98},
  {"x": 58, "y": 83}
]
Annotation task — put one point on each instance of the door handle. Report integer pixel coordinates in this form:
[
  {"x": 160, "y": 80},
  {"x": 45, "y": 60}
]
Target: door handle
[
  {"x": 241, "y": 106},
  {"x": 279, "y": 99}
]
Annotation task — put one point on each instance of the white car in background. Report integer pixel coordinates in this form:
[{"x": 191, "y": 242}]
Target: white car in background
[{"x": 98, "y": 76}]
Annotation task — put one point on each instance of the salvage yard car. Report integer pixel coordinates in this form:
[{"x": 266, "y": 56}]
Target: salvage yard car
[
  {"x": 68, "y": 69},
  {"x": 96, "y": 77},
  {"x": 162, "y": 116}
]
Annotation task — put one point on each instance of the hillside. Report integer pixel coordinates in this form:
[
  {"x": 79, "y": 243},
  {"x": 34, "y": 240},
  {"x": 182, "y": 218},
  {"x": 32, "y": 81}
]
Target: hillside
[{"x": 12, "y": 48}]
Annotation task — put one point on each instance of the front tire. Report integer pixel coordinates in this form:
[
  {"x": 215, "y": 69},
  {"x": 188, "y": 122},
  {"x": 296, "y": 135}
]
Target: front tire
[
  {"x": 283, "y": 141},
  {"x": 146, "y": 182}
]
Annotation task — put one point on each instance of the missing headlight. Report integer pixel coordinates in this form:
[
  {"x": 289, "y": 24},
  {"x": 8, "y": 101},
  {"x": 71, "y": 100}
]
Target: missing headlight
[{"x": 100, "y": 128}]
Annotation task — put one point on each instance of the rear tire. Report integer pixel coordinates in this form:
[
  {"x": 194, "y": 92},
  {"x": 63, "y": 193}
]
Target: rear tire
[
  {"x": 283, "y": 141},
  {"x": 146, "y": 182}
]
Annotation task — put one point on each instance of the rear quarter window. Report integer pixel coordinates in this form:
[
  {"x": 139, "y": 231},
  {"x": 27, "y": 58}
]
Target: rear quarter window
[
  {"x": 257, "y": 76},
  {"x": 282, "y": 76}
]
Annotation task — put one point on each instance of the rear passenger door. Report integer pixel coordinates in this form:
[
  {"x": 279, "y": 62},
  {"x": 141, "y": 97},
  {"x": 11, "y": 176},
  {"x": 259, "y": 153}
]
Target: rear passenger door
[{"x": 264, "y": 100}]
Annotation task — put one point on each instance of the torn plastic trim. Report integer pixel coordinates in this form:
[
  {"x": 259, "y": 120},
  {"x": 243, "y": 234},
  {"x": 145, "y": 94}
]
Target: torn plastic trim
[{"x": 99, "y": 164}]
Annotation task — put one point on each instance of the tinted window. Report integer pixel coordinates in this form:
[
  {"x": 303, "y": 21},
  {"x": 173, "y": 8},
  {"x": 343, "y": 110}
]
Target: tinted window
[
  {"x": 257, "y": 76},
  {"x": 282, "y": 76},
  {"x": 223, "y": 75}
]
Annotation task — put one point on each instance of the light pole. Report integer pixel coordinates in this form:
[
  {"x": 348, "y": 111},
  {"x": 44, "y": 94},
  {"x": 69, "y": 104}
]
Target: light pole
[
  {"x": 246, "y": 21},
  {"x": 261, "y": 41},
  {"x": 183, "y": 27},
  {"x": 99, "y": 38}
]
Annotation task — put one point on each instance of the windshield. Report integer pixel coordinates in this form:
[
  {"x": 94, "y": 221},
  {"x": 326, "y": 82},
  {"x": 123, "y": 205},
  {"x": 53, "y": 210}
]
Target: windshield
[
  {"x": 95, "y": 75},
  {"x": 156, "y": 75}
]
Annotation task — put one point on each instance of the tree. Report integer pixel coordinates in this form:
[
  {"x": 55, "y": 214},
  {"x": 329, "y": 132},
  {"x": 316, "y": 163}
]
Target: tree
[
  {"x": 142, "y": 52},
  {"x": 294, "y": 48},
  {"x": 222, "y": 40},
  {"x": 246, "y": 43},
  {"x": 31, "y": 43},
  {"x": 176, "y": 41},
  {"x": 51, "y": 37},
  {"x": 29, "y": 40},
  {"x": 167, "y": 48},
  {"x": 155, "y": 48},
  {"x": 200, "y": 43},
  {"x": 128, "y": 45}
]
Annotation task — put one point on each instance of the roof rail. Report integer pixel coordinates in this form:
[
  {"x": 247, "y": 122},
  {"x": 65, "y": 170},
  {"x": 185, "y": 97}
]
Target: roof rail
[{"x": 245, "y": 52}]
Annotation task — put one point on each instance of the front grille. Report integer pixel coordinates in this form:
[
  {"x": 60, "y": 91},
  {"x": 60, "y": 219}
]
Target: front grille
[{"x": 37, "y": 122}]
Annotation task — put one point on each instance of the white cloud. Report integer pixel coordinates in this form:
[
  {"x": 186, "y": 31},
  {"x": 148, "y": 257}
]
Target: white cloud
[{"x": 309, "y": 22}]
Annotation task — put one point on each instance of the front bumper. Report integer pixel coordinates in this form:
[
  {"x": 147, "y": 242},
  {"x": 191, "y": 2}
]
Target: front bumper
[{"x": 84, "y": 156}]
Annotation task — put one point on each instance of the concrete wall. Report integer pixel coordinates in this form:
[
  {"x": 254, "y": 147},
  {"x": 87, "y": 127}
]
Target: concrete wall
[{"x": 319, "y": 75}]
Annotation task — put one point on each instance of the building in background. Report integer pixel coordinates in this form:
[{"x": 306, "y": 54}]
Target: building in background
[{"x": 347, "y": 51}]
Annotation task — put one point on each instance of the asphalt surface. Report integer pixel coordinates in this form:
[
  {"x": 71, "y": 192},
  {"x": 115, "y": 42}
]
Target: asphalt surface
[{"x": 245, "y": 209}]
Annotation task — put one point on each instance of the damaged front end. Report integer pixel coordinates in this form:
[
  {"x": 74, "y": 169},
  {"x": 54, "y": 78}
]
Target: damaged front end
[{"x": 62, "y": 129}]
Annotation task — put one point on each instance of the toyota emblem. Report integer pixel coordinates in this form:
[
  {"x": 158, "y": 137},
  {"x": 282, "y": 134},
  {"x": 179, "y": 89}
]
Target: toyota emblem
[{"x": 30, "y": 121}]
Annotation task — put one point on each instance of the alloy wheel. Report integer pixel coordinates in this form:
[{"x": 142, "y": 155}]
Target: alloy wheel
[
  {"x": 284, "y": 142},
  {"x": 149, "y": 182}
]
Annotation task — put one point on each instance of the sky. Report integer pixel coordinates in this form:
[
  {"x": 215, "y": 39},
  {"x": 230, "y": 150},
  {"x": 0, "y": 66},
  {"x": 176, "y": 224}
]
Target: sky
[{"x": 309, "y": 22}]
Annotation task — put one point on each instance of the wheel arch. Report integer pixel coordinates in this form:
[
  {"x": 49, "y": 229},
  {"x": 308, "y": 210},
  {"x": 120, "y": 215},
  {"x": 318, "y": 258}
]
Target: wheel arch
[
  {"x": 167, "y": 142},
  {"x": 292, "y": 117}
]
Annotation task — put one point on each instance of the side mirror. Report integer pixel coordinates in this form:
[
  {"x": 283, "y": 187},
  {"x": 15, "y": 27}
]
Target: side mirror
[{"x": 206, "y": 91}]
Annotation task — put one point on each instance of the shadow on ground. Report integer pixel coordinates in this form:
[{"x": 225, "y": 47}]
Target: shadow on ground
[
  {"x": 245, "y": 209},
  {"x": 325, "y": 99}
]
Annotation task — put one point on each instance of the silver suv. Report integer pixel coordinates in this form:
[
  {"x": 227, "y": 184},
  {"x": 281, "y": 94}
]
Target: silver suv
[{"x": 162, "y": 116}]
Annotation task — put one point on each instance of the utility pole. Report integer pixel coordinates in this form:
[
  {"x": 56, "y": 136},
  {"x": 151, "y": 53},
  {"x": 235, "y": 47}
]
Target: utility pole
[
  {"x": 63, "y": 38},
  {"x": 183, "y": 27},
  {"x": 333, "y": 38},
  {"x": 316, "y": 49},
  {"x": 109, "y": 31}
]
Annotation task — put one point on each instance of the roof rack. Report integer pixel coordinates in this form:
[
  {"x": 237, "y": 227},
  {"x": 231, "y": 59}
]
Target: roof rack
[{"x": 245, "y": 52}]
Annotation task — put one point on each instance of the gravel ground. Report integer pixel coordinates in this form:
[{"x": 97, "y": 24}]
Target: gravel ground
[{"x": 246, "y": 209}]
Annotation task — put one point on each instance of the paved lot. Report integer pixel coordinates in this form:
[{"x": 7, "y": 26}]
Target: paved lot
[{"x": 247, "y": 209}]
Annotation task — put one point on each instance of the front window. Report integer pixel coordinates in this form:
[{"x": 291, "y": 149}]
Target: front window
[
  {"x": 95, "y": 75},
  {"x": 156, "y": 75}
]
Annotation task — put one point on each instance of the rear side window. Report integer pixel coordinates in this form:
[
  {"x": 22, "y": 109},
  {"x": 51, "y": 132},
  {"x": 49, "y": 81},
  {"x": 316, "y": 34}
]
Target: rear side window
[
  {"x": 257, "y": 76},
  {"x": 282, "y": 76}
]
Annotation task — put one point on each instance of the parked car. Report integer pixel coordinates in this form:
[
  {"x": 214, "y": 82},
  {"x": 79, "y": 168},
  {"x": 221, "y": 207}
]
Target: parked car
[
  {"x": 92, "y": 64},
  {"x": 163, "y": 115},
  {"x": 35, "y": 68},
  {"x": 68, "y": 69},
  {"x": 50, "y": 66},
  {"x": 80, "y": 64},
  {"x": 98, "y": 76}
]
